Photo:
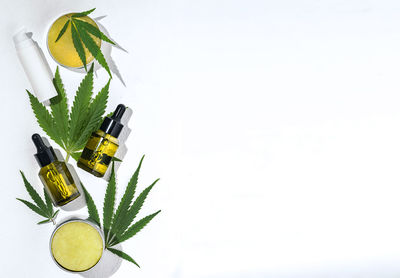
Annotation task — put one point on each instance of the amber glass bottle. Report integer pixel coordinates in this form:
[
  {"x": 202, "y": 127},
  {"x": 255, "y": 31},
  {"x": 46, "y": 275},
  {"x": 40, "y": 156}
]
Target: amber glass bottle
[
  {"x": 54, "y": 174},
  {"x": 102, "y": 144}
]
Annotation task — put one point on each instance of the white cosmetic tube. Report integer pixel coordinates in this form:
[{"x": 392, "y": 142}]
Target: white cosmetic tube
[{"x": 35, "y": 66}]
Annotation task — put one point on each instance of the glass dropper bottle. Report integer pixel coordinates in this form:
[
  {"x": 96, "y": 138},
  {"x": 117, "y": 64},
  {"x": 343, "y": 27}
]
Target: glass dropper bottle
[
  {"x": 54, "y": 174},
  {"x": 102, "y": 144}
]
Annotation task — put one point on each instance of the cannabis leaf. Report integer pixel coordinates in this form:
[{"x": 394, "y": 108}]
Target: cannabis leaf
[
  {"x": 117, "y": 225},
  {"x": 94, "y": 117},
  {"x": 92, "y": 47},
  {"x": 82, "y": 14},
  {"x": 44, "y": 119},
  {"x": 82, "y": 32},
  {"x": 71, "y": 130},
  {"x": 126, "y": 200},
  {"x": 109, "y": 201},
  {"x": 134, "y": 229},
  {"x": 80, "y": 106},
  {"x": 59, "y": 109},
  {"x": 78, "y": 45},
  {"x": 93, "y": 30},
  {"x": 123, "y": 255},
  {"x": 43, "y": 208},
  {"x": 132, "y": 212},
  {"x": 63, "y": 30},
  {"x": 92, "y": 209}
]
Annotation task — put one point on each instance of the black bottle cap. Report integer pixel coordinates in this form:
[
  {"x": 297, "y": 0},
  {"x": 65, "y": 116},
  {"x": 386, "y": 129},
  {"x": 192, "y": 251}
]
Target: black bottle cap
[
  {"x": 45, "y": 155},
  {"x": 112, "y": 125}
]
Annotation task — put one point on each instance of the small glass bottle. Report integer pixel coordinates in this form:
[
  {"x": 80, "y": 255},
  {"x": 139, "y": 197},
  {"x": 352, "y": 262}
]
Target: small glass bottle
[
  {"x": 54, "y": 174},
  {"x": 102, "y": 144}
]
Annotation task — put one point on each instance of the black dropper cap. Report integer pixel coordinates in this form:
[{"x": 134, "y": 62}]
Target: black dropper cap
[
  {"x": 112, "y": 125},
  {"x": 45, "y": 155}
]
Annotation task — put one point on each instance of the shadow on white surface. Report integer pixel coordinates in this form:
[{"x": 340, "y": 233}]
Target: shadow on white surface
[
  {"x": 106, "y": 267},
  {"x": 106, "y": 49}
]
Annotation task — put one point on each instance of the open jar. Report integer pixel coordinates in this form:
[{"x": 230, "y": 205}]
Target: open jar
[
  {"x": 63, "y": 51},
  {"x": 77, "y": 245}
]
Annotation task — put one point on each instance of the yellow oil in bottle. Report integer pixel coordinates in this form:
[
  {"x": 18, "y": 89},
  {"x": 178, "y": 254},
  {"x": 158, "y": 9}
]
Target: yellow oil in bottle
[
  {"x": 54, "y": 174},
  {"x": 63, "y": 51},
  {"x": 98, "y": 153},
  {"x": 59, "y": 183},
  {"x": 102, "y": 144}
]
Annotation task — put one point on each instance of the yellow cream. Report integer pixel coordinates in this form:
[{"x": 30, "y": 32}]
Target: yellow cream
[
  {"x": 77, "y": 246},
  {"x": 63, "y": 51}
]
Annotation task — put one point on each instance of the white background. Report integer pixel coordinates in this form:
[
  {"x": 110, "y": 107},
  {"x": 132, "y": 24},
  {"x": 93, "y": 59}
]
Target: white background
[{"x": 273, "y": 125}]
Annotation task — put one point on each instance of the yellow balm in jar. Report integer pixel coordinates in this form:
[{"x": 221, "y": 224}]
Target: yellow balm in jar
[
  {"x": 63, "y": 51},
  {"x": 77, "y": 245}
]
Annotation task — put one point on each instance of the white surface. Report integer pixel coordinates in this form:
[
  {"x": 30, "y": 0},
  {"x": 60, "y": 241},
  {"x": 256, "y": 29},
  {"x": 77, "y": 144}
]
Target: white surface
[{"x": 274, "y": 126}]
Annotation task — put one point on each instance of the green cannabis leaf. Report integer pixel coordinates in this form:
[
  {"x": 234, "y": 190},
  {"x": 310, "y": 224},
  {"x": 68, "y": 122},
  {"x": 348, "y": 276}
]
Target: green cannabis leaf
[
  {"x": 82, "y": 14},
  {"x": 43, "y": 208},
  {"x": 109, "y": 202},
  {"x": 78, "y": 45},
  {"x": 92, "y": 209},
  {"x": 65, "y": 27},
  {"x": 117, "y": 225},
  {"x": 123, "y": 255},
  {"x": 71, "y": 130},
  {"x": 82, "y": 32}
]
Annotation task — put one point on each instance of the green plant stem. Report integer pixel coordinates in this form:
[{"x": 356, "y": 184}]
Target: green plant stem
[
  {"x": 68, "y": 156},
  {"x": 110, "y": 241}
]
